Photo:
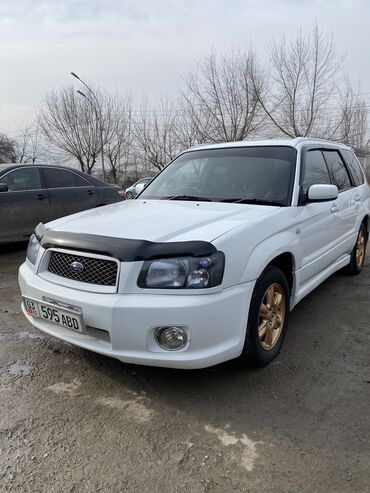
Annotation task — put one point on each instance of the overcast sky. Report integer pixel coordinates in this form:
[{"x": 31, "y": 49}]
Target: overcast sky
[{"x": 145, "y": 45}]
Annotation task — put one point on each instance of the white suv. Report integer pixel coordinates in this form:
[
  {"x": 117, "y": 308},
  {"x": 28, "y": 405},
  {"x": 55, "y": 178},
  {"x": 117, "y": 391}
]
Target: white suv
[{"x": 207, "y": 263}]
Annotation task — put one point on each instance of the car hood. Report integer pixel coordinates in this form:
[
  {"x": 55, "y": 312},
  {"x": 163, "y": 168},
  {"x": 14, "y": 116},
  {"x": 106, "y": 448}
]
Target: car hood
[{"x": 162, "y": 220}]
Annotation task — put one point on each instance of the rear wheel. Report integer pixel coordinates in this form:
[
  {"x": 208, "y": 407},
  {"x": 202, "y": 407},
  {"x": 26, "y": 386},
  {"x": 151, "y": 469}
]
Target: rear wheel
[
  {"x": 129, "y": 195},
  {"x": 268, "y": 318},
  {"x": 358, "y": 252}
]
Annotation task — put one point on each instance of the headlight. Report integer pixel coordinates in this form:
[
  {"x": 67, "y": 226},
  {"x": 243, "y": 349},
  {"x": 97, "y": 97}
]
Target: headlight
[
  {"x": 33, "y": 249},
  {"x": 184, "y": 272}
]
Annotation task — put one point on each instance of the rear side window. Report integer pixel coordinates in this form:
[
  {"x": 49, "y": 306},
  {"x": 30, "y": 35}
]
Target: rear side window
[
  {"x": 337, "y": 169},
  {"x": 354, "y": 166},
  {"x": 62, "y": 178},
  {"x": 315, "y": 171},
  {"x": 22, "y": 179}
]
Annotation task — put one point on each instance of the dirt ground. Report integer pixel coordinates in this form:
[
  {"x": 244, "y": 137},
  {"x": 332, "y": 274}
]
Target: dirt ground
[{"x": 74, "y": 421}]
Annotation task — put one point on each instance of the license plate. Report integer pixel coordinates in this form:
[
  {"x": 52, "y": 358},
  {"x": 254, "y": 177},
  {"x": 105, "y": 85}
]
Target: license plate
[{"x": 53, "y": 313}]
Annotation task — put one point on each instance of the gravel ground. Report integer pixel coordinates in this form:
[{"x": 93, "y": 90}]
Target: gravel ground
[{"x": 74, "y": 421}]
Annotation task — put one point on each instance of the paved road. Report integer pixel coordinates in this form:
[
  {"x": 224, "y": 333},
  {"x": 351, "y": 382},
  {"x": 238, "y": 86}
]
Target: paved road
[{"x": 74, "y": 421}]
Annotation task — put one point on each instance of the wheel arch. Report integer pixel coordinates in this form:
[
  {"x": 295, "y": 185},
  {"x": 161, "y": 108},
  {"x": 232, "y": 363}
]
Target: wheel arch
[
  {"x": 285, "y": 262},
  {"x": 365, "y": 221},
  {"x": 281, "y": 250},
  {"x": 258, "y": 251},
  {"x": 285, "y": 255}
]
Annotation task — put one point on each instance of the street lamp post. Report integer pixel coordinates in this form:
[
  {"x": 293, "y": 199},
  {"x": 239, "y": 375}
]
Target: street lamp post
[{"x": 99, "y": 116}]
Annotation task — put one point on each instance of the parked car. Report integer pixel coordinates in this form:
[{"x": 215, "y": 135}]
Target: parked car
[
  {"x": 30, "y": 194},
  {"x": 133, "y": 191},
  {"x": 208, "y": 262}
]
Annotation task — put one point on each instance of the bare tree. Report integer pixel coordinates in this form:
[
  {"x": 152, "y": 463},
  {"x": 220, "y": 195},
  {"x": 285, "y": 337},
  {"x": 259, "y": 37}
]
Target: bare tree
[
  {"x": 119, "y": 135},
  {"x": 303, "y": 82},
  {"x": 225, "y": 98},
  {"x": 23, "y": 142},
  {"x": 186, "y": 126},
  {"x": 220, "y": 98},
  {"x": 28, "y": 144},
  {"x": 70, "y": 124},
  {"x": 36, "y": 147},
  {"x": 7, "y": 149},
  {"x": 155, "y": 134},
  {"x": 351, "y": 121}
]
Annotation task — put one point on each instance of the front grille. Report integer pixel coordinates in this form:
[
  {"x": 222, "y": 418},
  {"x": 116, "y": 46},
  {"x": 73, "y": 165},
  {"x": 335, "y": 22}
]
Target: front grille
[{"x": 94, "y": 270}]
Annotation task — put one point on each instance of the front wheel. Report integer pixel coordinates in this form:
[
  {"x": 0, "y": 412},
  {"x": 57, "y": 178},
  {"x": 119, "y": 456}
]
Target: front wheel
[
  {"x": 268, "y": 318},
  {"x": 129, "y": 195}
]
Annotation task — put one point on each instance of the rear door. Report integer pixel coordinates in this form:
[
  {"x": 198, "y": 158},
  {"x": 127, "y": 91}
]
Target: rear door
[
  {"x": 25, "y": 204},
  {"x": 68, "y": 191},
  {"x": 360, "y": 193}
]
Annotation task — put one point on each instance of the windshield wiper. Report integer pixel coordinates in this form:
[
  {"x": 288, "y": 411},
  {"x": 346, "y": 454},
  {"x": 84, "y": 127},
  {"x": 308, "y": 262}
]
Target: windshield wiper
[
  {"x": 246, "y": 200},
  {"x": 187, "y": 197}
]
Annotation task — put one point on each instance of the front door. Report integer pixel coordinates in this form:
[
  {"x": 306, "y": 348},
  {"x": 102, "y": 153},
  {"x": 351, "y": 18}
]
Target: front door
[
  {"x": 24, "y": 205},
  {"x": 317, "y": 222}
]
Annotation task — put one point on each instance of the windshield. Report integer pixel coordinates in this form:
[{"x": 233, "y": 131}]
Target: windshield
[{"x": 244, "y": 174}]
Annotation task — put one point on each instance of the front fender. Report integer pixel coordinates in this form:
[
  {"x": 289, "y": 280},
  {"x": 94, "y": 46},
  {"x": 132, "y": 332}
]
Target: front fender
[
  {"x": 264, "y": 252},
  {"x": 248, "y": 255}
]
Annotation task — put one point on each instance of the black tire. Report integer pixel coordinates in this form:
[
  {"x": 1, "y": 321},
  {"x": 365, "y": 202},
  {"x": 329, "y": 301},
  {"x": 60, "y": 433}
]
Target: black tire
[
  {"x": 355, "y": 266},
  {"x": 129, "y": 195},
  {"x": 254, "y": 352}
]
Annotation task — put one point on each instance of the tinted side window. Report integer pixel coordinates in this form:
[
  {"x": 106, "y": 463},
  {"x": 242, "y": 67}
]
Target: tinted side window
[
  {"x": 337, "y": 169},
  {"x": 22, "y": 179},
  {"x": 61, "y": 178},
  {"x": 315, "y": 171},
  {"x": 354, "y": 166}
]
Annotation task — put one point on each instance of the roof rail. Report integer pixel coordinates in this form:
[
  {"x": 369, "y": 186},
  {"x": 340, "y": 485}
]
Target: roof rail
[{"x": 297, "y": 140}]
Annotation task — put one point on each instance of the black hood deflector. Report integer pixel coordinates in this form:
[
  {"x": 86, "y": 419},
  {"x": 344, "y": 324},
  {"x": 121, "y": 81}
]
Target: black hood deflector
[{"x": 124, "y": 249}]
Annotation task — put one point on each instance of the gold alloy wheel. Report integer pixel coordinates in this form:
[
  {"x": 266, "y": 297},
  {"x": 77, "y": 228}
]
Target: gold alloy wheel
[
  {"x": 360, "y": 248},
  {"x": 271, "y": 316}
]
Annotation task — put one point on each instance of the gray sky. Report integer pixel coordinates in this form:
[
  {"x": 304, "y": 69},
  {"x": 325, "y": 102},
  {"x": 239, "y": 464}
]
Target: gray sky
[{"x": 145, "y": 45}]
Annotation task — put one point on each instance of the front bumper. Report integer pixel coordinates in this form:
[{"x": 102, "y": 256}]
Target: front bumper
[{"x": 121, "y": 325}]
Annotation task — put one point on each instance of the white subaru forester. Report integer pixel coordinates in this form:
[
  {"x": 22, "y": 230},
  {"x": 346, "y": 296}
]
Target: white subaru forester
[{"x": 206, "y": 264}]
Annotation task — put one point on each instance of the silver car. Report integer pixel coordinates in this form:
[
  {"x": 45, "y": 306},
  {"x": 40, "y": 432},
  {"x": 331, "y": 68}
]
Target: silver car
[{"x": 133, "y": 191}]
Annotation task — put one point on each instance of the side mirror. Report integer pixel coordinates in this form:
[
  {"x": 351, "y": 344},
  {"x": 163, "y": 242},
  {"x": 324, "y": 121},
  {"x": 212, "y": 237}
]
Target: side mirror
[
  {"x": 3, "y": 187},
  {"x": 318, "y": 193}
]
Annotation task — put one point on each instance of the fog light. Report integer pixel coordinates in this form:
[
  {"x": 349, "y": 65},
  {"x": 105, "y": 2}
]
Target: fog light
[{"x": 171, "y": 338}]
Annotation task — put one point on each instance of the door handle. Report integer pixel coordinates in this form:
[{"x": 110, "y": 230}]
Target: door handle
[
  {"x": 334, "y": 208},
  {"x": 41, "y": 196},
  {"x": 90, "y": 192},
  {"x": 357, "y": 198}
]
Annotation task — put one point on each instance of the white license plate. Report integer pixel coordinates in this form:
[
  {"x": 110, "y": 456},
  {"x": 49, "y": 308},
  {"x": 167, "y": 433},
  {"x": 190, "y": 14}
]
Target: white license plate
[{"x": 51, "y": 312}]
